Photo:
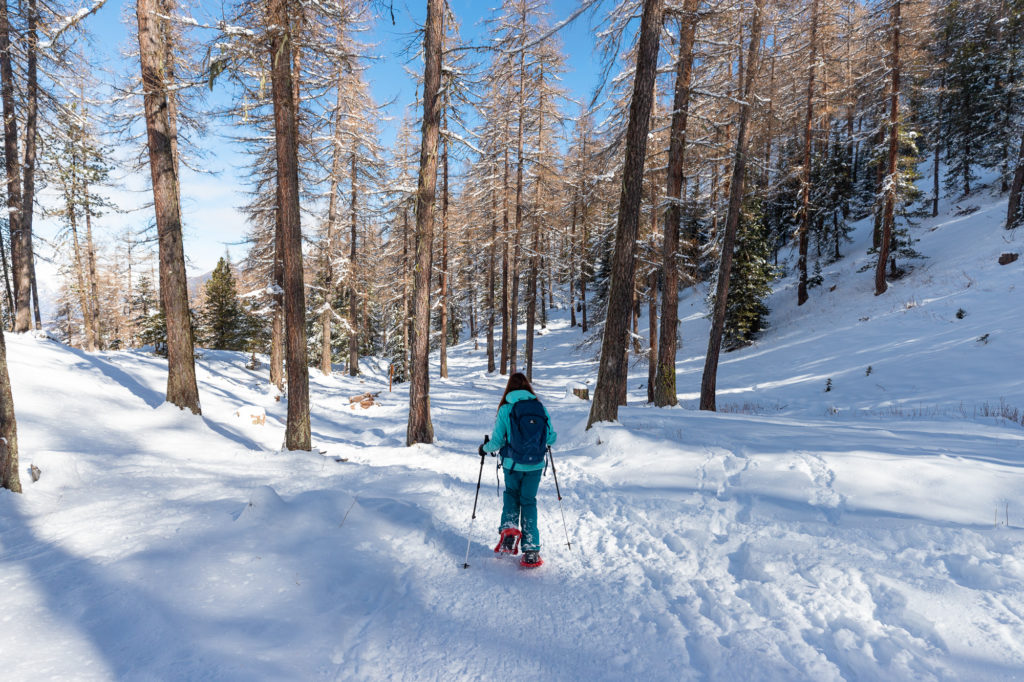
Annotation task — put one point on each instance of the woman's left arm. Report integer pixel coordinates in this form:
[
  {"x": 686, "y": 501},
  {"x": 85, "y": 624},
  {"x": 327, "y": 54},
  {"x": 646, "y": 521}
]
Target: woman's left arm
[{"x": 500, "y": 432}]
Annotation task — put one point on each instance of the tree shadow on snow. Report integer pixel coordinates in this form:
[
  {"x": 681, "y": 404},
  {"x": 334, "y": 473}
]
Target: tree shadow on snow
[
  {"x": 147, "y": 395},
  {"x": 137, "y": 633}
]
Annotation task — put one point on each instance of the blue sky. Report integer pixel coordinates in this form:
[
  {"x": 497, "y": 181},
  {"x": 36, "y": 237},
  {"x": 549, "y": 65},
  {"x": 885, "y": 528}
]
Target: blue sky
[{"x": 212, "y": 221}]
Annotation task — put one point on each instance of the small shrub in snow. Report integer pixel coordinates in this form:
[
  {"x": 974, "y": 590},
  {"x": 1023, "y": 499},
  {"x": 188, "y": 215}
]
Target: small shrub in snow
[
  {"x": 750, "y": 408},
  {"x": 961, "y": 313},
  {"x": 1002, "y": 411},
  {"x": 817, "y": 278},
  {"x": 867, "y": 372},
  {"x": 828, "y": 385},
  {"x": 983, "y": 339}
]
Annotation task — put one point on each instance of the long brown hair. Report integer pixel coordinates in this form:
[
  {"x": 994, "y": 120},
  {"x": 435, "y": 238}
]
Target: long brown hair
[{"x": 516, "y": 382}]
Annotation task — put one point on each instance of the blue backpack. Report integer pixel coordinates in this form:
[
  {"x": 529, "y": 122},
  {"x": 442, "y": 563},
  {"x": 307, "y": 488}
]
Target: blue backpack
[{"x": 527, "y": 433}]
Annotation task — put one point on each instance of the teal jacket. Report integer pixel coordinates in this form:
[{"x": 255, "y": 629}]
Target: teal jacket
[{"x": 499, "y": 436}]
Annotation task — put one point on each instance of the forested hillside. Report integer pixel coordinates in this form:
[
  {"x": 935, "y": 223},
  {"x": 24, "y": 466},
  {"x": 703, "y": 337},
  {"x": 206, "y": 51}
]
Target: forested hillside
[{"x": 719, "y": 135}]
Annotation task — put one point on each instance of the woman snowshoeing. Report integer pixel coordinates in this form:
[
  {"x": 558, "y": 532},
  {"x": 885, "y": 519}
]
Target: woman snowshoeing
[{"x": 522, "y": 432}]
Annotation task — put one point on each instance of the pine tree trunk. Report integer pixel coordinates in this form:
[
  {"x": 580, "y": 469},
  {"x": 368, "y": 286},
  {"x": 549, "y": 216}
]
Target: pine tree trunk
[
  {"x": 531, "y": 304},
  {"x": 70, "y": 200},
  {"x": 550, "y": 288},
  {"x": 353, "y": 295},
  {"x": 9, "y": 478},
  {"x": 504, "y": 270},
  {"x": 583, "y": 306},
  {"x": 1013, "y": 212},
  {"x": 20, "y": 241},
  {"x": 470, "y": 280},
  {"x": 443, "y": 275},
  {"x": 665, "y": 370},
  {"x": 277, "y": 303},
  {"x": 286, "y": 146},
  {"x": 708, "y": 383},
  {"x": 7, "y": 279},
  {"x": 181, "y": 372},
  {"x": 513, "y": 347},
  {"x": 805, "y": 191},
  {"x": 513, "y": 304},
  {"x": 584, "y": 274},
  {"x": 31, "y": 136},
  {"x": 332, "y": 217},
  {"x": 572, "y": 259},
  {"x": 406, "y": 322},
  {"x": 420, "y": 429},
  {"x": 968, "y": 157},
  {"x": 491, "y": 266},
  {"x": 90, "y": 255},
  {"x": 613, "y": 368},
  {"x": 771, "y": 120},
  {"x": 652, "y": 314},
  {"x": 938, "y": 148},
  {"x": 888, "y": 215},
  {"x": 635, "y": 306}
]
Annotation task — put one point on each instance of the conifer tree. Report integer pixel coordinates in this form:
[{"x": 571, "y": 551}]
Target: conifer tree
[
  {"x": 222, "y": 320},
  {"x": 749, "y": 280}
]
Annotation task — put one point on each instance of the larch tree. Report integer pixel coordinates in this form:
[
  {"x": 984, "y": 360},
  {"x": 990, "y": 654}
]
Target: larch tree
[
  {"x": 420, "y": 429},
  {"x": 735, "y": 206},
  {"x": 665, "y": 371},
  {"x": 547, "y": 67},
  {"x": 803, "y": 232},
  {"x": 21, "y": 239},
  {"x": 286, "y": 136},
  {"x": 161, "y": 141},
  {"x": 612, "y": 370}
]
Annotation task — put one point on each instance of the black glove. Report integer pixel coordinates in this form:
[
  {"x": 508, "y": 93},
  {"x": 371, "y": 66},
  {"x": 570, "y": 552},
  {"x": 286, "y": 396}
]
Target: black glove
[{"x": 480, "y": 450}]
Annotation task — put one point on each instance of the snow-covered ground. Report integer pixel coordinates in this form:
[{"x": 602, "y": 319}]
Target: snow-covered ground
[{"x": 871, "y": 532}]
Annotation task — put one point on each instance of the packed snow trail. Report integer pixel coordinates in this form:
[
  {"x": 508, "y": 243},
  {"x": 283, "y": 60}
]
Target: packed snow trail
[
  {"x": 871, "y": 532},
  {"x": 183, "y": 547}
]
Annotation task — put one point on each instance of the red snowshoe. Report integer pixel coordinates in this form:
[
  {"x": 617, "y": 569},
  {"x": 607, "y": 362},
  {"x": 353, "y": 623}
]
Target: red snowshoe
[{"x": 508, "y": 543}]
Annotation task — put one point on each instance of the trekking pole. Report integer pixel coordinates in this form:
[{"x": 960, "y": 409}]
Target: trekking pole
[
  {"x": 480, "y": 476},
  {"x": 554, "y": 473}
]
